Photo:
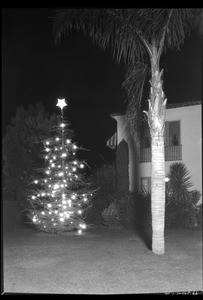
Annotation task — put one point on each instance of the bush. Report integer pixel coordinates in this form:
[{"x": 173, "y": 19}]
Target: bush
[
  {"x": 122, "y": 210},
  {"x": 21, "y": 147},
  {"x": 122, "y": 163},
  {"x": 183, "y": 214},
  {"x": 103, "y": 180},
  {"x": 181, "y": 209}
]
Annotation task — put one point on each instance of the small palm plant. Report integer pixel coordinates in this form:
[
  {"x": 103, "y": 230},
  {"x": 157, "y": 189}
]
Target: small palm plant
[
  {"x": 181, "y": 209},
  {"x": 179, "y": 183}
]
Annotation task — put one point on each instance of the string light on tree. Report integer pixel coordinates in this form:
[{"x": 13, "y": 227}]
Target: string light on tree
[{"x": 58, "y": 202}]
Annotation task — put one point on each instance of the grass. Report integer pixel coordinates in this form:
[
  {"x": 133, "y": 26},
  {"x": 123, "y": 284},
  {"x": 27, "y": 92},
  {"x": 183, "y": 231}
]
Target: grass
[{"x": 102, "y": 261}]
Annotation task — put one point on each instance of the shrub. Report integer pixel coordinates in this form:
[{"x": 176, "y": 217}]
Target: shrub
[
  {"x": 122, "y": 162},
  {"x": 121, "y": 211},
  {"x": 21, "y": 147},
  {"x": 103, "y": 180},
  {"x": 181, "y": 209},
  {"x": 184, "y": 214}
]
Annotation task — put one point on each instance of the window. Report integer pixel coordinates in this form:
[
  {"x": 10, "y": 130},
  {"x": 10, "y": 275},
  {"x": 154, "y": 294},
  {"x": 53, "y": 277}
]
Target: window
[
  {"x": 172, "y": 133},
  {"x": 146, "y": 184}
]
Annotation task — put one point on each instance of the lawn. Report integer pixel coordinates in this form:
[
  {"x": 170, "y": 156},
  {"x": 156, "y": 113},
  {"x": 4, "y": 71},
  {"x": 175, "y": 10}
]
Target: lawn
[{"x": 101, "y": 261}]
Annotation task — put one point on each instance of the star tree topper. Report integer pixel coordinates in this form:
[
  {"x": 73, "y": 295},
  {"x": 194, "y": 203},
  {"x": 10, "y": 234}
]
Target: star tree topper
[{"x": 61, "y": 103}]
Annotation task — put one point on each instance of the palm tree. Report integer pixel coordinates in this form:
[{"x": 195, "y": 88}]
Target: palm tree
[{"x": 139, "y": 36}]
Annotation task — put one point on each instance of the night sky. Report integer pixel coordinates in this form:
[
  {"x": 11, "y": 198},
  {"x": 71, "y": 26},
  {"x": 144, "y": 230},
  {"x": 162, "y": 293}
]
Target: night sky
[{"x": 34, "y": 69}]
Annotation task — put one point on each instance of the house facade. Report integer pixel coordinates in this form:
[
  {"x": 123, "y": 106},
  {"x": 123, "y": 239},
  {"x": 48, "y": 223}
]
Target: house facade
[{"x": 183, "y": 143}]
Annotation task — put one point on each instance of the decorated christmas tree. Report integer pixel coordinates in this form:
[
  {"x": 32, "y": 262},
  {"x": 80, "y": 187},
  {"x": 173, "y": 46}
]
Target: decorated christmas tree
[{"x": 61, "y": 195}]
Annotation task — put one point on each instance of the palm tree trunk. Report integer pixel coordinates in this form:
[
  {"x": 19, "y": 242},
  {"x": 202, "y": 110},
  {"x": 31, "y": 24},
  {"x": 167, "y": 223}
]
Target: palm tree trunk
[
  {"x": 156, "y": 121},
  {"x": 158, "y": 194}
]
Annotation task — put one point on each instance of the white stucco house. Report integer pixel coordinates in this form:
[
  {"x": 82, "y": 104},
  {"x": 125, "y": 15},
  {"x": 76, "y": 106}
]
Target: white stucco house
[{"x": 183, "y": 143}]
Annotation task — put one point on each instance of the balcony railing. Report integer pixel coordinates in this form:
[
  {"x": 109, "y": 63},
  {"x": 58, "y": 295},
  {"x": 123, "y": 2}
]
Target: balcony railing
[{"x": 171, "y": 153}]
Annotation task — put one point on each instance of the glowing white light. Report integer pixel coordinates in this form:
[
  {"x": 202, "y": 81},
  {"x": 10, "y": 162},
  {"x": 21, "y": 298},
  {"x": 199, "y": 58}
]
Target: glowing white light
[
  {"x": 73, "y": 196},
  {"x": 49, "y": 205},
  {"x": 59, "y": 166},
  {"x": 68, "y": 141},
  {"x": 48, "y": 172},
  {"x": 61, "y": 219},
  {"x": 55, "y": 148},
  {"x": 52, "y": 220},
  {"x": 47, "y": 143},
  {"x": 34, "y": 219},
  {"x": 74, "y": 147},
  {"x": 62, "y": 185},
  {"x": 80, "y": 211},
  {"x": 56, "y": 212},
  {"x": 63, "y": 196},
  {"x": 46, "y": 157},
  {"x": 54, "y": 157},
  {"x": 61, "y": 103},
  {"x": 62, "y": 125},
  {"x": 33, "y": 197},
  {"x": 57, "y": 139},
  {"x": 47, "y": 149},
  {"x": 43, "y": 213},
  {"x": 166, "y": 179},
  {"x": 64, "y": 206},
  {"x": 60, "y": 174},
  {"x": 85, "y": 199},
  {"x": 69, "y": 203},
  {"x": 49, "y": 212},
  {"x": 81, "y": 166},
  {"x": 56, "y": 186},
  {"x": 69, "y": 174},
  {"x": 75, "y": 162},
  {"x": 49, "y": 185},
  {"x": 74, "y": 169},
  {"x": 64, "y": 202},
  {"x": 63, "y": 155},
  {"x": 38, "y": 195},
  {"x": 66, "y": 167},
  {"x": 52, "y": 165},
  {"x": 36, "y": 181},
  {"x": 42, "y": 194},
  {"x": 45, "y": 180},
  {"x": 79, "y": 231},
  {"x": 82, "y": 226}
]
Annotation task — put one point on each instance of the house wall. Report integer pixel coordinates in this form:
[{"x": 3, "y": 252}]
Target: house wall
[
  {"x": 190, "y": 130},
  {"x": 191, "y": 141}
]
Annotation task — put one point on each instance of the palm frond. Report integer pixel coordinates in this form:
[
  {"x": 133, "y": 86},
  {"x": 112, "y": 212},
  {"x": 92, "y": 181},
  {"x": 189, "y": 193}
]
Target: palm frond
[
  {"x": 180, "y": 181},
  {"x": 113, "y": 28},
  {"x": 133, "y": 85},
  {"x": 182, "y": 22}
]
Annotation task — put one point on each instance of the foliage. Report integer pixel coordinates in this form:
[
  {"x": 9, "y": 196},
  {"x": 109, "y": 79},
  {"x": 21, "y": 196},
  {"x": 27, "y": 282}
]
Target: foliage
[
  {"x": 61, "y": 195},
  {"x": 122, "y": 165},
  {"x": 131, "y": 34},
  {"x": 122, "y": 210},
  {"x": 21, "y": 147},
  {"x": 103, "y": 180},
  {"x": 124, "y": 29},
  {"x": 181, "y": 208}
]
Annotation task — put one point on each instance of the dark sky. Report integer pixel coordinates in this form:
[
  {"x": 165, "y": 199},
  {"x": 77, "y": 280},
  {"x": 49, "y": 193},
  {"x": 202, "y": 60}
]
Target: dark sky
[{"x": 34, "y": 69}]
